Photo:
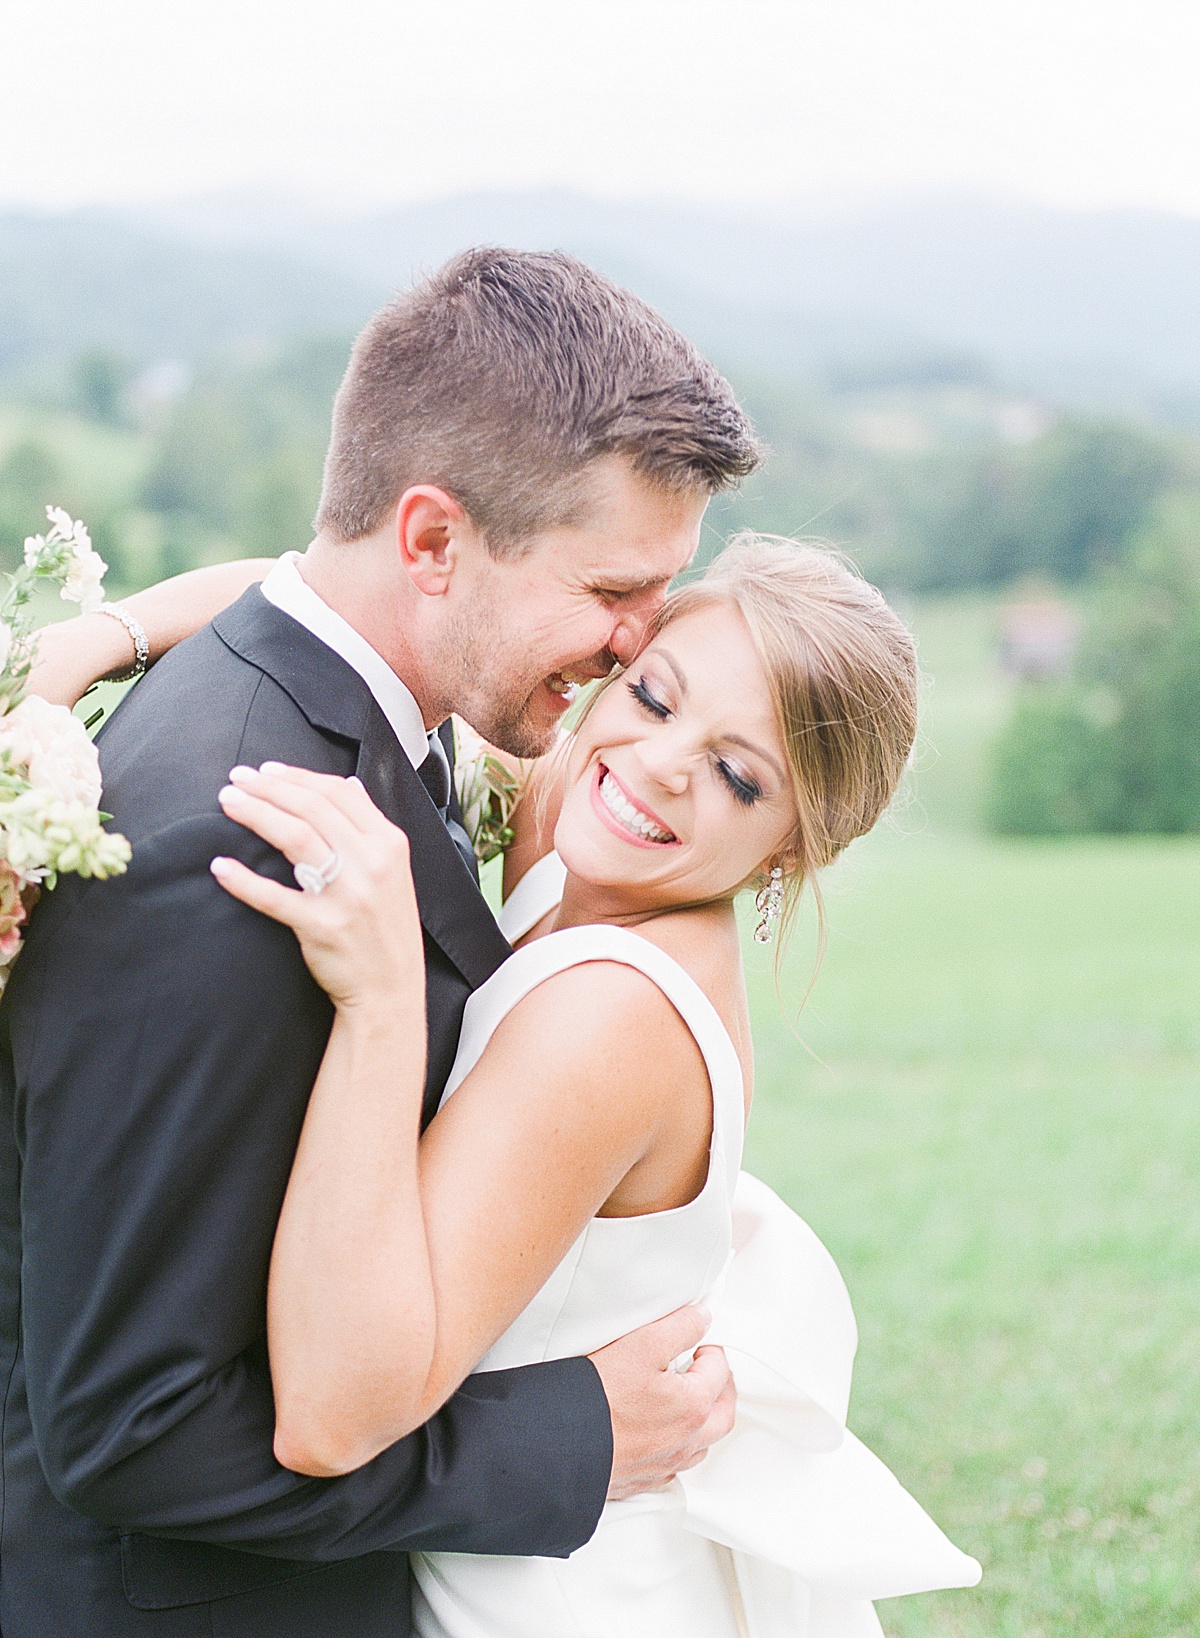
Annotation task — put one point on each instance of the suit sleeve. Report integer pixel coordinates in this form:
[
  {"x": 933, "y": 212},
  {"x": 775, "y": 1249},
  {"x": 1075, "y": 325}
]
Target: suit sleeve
[{"x": 164, "y": 1039}]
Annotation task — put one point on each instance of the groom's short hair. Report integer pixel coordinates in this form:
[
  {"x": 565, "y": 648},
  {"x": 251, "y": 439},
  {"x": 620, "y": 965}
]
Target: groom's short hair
[{"x": 501, "y": 378}]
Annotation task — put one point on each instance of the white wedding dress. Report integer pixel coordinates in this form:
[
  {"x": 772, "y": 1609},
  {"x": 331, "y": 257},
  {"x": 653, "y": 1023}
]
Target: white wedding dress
[{"x": 790, "y": 1527}]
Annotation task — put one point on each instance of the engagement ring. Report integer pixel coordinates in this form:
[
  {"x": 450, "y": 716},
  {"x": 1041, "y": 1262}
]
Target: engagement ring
[{"x": 316, "y": 878}]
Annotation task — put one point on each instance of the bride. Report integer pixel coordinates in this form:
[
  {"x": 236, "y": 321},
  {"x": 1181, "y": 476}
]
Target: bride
[{"x": 583, "y": 1173}]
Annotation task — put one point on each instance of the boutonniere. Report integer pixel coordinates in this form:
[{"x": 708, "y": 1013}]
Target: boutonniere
[{"x": 488, "y": 791}]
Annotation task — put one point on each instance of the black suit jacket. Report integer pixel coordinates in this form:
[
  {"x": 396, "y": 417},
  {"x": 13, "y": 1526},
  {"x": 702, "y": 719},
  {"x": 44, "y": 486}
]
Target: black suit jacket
[{"x": 160, "y": 1041}]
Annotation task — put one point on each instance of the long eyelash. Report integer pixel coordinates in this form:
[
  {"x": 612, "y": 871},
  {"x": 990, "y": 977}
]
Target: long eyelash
[
  {"x": 647, "y": 700},
  {"x": 744, "y": 791}
]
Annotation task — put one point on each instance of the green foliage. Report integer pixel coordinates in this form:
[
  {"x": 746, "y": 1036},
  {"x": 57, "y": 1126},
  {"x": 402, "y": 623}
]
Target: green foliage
[
  {"x": 950, "y": 504},
  {"x": 1063, "y": 505},
  {"x": 1053, "y": 772},
  {"x": 92, "y": 469},
  {"x": 101, "y": 380},
  {"x": 1116, "y": 749},
  {"x": 240, "y": 455},
  {"x": 1086, "y": 491},
  {"x": 30, "y": 475}
]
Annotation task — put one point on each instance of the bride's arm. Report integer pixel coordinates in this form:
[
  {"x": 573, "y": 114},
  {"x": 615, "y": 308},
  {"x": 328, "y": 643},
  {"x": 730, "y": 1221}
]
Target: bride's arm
[
  {"x": 74, "y": 654},
  {"x": 397, "y": 1264}
]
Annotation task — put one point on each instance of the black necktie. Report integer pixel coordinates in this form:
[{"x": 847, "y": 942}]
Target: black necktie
[{"x": 434, "y": 774}]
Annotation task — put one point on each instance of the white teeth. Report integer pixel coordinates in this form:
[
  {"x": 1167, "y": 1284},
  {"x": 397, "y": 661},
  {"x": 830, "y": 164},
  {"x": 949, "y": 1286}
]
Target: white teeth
[
  {"x": 614, "y": 800},
  {"x": 559, "y": 685}
]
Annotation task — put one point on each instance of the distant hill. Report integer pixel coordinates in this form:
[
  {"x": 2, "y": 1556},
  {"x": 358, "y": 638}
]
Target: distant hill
[
  {"x": 83, "y": 281},
  {"x": 1098, "y": 309},
  {"x": 1102, "y": 303}
]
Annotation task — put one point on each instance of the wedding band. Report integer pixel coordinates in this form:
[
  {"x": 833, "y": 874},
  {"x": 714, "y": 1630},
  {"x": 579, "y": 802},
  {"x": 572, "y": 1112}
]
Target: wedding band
[{"x": 316, "y": 878}]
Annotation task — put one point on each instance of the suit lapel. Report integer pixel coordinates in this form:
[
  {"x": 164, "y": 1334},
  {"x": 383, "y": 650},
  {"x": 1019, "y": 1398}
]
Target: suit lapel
[
  {"x": 335, "y": 698},
  {"x": 453, "y": 911}
]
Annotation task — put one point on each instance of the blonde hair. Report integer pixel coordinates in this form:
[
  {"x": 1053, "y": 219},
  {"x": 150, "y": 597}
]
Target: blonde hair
[{"x": 842, "y": 669}]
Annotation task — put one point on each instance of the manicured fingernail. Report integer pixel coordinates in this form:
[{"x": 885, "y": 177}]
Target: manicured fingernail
[
  {"x": 228, "y": 792},
  {"x": 355, "y": 780},
  {"x": 272, "y": 767},
  {"x": 220, "y": 865},
  {"x": 242, "y": 772}
]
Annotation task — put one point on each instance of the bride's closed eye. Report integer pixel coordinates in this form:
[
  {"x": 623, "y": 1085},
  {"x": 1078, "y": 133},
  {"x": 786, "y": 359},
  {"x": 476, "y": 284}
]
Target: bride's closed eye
[
  {"x": 743, "y": 790},
  {"x": 647, "y": 700},
  {"x": 746, "y": 791}
]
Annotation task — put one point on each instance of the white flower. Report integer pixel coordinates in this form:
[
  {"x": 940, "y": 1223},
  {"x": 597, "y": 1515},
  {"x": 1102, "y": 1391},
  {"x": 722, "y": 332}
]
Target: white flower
[
  {"x": 40, "y": 833},
  {"x": 63, "y": 523},
  {"x": 67, "y": 553},
  {"x": 85, "y": 576},
  {"x": 53, "y": 745},
  {"x": 41, "y": 837}
]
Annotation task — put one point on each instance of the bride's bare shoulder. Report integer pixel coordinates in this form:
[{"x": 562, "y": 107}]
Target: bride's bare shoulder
[
  {"x": 704, "y": 941},
  {"x": 615, "y": 1016},
  {"x": 706, "y": 944},
  {"x": 589, "y": 999},
  {"x": 607, "y": 1044}
]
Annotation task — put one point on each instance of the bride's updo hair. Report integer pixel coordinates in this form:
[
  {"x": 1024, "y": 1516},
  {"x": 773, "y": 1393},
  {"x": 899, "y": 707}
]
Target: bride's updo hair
[{"x": 842, "y": 669}]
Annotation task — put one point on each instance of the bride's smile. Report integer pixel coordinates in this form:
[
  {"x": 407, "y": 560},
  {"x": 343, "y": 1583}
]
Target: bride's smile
[
  {"x": 676, "y": 790},
  {"x": 619, "y": 808}
]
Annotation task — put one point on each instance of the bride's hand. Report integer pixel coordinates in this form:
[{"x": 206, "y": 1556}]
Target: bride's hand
[{"x": 361, "y": 936}]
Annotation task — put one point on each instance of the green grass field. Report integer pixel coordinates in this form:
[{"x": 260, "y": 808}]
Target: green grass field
[{"x": 992, "y": 1117}]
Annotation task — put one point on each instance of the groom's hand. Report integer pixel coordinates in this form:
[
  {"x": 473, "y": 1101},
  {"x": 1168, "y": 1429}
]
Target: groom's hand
[{"x": 663, "y": 1420}]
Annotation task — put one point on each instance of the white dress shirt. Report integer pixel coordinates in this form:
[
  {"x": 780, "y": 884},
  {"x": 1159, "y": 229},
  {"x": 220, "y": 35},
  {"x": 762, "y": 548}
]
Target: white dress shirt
[{"x": 289, "y": 591}]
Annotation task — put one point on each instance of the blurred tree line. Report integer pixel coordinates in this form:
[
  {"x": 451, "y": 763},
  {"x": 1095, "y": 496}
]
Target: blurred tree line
[
  {"x": 970, "y": 511},
  {"x": 171, "y": 472},
  {"x": 1114, "y": 746},
  {"x": 229, "y": 463}
]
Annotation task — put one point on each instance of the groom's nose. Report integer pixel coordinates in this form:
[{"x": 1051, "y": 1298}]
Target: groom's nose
[{"x": 629, "y": 632}]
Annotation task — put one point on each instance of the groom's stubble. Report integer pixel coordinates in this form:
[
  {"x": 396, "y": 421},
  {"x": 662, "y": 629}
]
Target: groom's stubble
[{"x": 496, "y": 680}]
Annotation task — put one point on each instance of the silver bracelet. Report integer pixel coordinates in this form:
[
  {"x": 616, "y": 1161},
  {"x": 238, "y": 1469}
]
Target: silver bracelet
[{"x": 141, "y": 643}]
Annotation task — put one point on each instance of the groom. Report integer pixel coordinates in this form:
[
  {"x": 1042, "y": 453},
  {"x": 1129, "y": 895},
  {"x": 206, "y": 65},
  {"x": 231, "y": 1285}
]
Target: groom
[{"x": 520, "y": 459}]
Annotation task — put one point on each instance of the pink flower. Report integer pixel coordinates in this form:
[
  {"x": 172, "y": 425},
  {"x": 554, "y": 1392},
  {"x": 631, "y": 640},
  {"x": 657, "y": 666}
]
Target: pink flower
[
  {"x": 54, "y": 746},
  {"x": 12, "y": 911}
]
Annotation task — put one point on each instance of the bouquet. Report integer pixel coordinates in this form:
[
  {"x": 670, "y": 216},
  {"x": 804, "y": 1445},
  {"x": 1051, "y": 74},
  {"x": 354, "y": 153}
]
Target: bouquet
[{"x": 50, "y": 819}]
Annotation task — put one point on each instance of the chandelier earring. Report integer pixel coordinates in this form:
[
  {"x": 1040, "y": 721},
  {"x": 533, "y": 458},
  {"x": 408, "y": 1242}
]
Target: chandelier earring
[{"x": 769, "y": 904}]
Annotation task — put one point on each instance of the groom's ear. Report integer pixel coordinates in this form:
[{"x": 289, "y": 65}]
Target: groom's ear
[{"x": 432, "y": 530}]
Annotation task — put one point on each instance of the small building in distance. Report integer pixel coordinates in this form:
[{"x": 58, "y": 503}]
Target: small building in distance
[{"x": 1038, "y": 639}]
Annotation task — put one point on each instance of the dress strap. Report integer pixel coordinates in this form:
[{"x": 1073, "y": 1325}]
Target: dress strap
[
  {"x": 532, "y": 965},
  {"x": 539, "y": 891}
]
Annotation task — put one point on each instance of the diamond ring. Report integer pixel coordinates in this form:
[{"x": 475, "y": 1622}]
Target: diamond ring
[{"x": 316, "y": 878}]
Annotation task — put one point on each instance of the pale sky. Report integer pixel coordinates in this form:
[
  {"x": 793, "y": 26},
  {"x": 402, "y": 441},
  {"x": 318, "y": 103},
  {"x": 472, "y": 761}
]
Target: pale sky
[{"x": 1072, "y": 102}]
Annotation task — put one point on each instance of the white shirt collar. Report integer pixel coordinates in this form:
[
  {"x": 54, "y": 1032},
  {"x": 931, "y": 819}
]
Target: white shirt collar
[{"x": 289, "y": 591}]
